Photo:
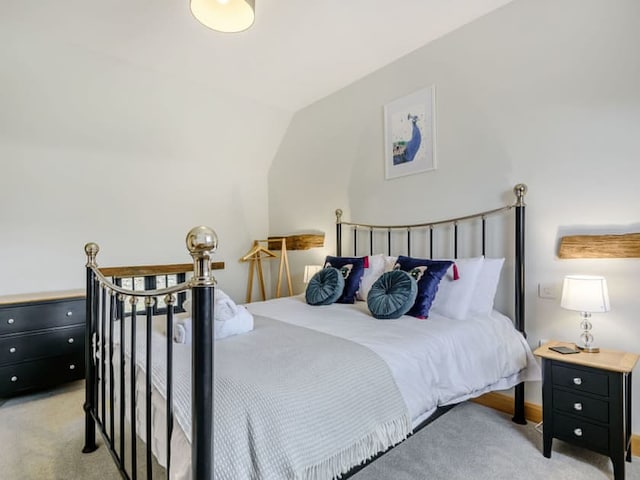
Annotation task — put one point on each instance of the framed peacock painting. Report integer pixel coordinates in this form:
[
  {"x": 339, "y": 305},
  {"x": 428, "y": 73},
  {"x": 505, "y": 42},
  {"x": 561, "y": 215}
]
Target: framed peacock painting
[{"x": 409, "y": 124}]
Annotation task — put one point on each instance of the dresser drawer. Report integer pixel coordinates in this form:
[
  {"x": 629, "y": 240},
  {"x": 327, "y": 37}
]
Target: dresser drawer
[
  {"x": 49, "y": 343},
  {"x": 580, "y": 380},
  {"x": 581, "y": 433},
  {"x": 36, "y": 316},
  {"x": 40, "y": 373},
  {"x": 581, "y": 406}
]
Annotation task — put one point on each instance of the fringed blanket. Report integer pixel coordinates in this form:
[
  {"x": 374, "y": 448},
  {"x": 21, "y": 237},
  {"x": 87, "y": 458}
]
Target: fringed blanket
[{"x": 292, "y": 403}]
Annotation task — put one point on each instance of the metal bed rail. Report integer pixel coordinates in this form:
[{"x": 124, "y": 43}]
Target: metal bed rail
[{"x": 105, "y": 305}]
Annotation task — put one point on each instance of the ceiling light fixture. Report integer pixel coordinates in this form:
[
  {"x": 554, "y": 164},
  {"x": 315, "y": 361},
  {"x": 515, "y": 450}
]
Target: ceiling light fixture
[{"x": 227, "y": 16}]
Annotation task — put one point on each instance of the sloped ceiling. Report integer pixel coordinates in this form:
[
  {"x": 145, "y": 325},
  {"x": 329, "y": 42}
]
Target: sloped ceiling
[{"x": 297, "y": 52}]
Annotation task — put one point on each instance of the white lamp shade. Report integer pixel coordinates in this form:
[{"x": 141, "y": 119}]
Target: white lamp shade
[
  {"x": 310, "y": 271},
  {"x": 224, "y": 15},
  {"x": 585, "y": 293}
]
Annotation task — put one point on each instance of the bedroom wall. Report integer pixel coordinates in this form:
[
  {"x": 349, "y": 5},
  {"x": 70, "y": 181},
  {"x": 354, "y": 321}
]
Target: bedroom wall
[
  {"x": 94, "y": 149},
  {"x": 542, "y": 92}
]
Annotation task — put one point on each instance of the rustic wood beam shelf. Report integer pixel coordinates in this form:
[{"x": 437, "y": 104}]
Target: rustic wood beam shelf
[{"x": 600, "y": 246}]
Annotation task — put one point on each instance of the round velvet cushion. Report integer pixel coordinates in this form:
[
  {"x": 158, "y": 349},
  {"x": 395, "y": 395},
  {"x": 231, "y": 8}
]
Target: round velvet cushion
[
  {"x": 325, "y": 287},
  {"x": 392, "y": 295}
]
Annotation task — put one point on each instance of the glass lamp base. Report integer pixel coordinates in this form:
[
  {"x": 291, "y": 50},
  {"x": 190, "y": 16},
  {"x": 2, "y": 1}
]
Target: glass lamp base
[{"x": 590, "y": 349}]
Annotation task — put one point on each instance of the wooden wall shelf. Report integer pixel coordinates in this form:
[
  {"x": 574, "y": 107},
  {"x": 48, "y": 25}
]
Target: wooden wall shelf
[{"x": 600, "y": 246}]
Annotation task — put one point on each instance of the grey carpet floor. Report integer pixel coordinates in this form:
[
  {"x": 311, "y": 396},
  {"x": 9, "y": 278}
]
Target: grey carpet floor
[{"x": 41, "y": 437}]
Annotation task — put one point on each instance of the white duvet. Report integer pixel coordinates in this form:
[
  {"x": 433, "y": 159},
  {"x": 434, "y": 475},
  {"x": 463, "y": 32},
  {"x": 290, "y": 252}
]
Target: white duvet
[{"x": 435, "y": 361}]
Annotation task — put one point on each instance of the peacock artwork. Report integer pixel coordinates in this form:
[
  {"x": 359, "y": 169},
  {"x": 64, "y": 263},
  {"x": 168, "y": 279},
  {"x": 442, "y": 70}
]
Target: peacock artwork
[
  {"x": 405, "y": 150},
  {"x": 409, "y": 134}
]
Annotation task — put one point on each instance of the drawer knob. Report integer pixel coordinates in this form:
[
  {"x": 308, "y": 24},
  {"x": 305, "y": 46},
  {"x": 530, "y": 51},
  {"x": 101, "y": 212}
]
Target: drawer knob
[
  {"x": 577, "y": 381},
  {"x": 14, "y": 379},
  {"x": 70, "y": 340},
  {"x": 12, "y": 350},
  {"x": 72, "y": 367},
  {"x": 69, "y": 313},
  {"x": 577, "y": 432},
  {"x": 577, "y": 407},
  {"x": 11, "y": 321}
]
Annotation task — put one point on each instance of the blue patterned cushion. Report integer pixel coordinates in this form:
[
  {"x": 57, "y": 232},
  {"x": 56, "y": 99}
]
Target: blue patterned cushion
[
  {"x": 428, "y": 274},
  {"x": 352, "y": 269},
  {"x": 325, "y": 287},
  {"x": 393, "y": 294}
]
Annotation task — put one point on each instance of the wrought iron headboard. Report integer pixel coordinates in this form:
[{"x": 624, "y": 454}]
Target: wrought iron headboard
[{"x": 519, "y": 260}]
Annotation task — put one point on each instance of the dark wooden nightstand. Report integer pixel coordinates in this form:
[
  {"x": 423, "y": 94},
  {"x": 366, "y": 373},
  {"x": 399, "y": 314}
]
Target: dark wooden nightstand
[
  {"x": 42, "y": 339},
  {"x": 586, "y": 401}
]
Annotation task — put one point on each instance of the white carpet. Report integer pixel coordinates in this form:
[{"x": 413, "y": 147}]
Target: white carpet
[{"x": 42, "y": 436}]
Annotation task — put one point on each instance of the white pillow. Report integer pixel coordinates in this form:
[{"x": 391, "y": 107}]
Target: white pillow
[
  {"x": 485, "y": 292},
  {"x": 371, "y": 274},
  {"x": 454, "y": 297}
]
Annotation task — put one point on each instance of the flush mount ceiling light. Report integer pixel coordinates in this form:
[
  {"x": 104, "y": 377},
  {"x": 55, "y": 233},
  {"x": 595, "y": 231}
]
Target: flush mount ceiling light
[{"x": 224, "y": 15}]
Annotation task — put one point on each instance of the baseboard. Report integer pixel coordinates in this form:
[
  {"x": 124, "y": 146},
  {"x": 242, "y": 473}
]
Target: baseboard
[{"x": 532, "y": 412}]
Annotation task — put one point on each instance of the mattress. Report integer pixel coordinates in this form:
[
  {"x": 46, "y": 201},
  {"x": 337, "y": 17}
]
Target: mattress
[{"x": 434, "y": 362}]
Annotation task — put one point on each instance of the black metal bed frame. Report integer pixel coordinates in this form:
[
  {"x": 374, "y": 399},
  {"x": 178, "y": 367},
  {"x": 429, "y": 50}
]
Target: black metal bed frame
[{"x": 105, "y": 305}]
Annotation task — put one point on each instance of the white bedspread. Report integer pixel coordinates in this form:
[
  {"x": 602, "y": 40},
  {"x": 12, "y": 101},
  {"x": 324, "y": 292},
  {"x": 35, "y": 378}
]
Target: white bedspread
[{"x": 436, "y": 361}]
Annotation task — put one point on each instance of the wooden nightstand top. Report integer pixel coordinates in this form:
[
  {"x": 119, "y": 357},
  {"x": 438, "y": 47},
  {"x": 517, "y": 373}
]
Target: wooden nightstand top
[{"x": 612, "y": 360}]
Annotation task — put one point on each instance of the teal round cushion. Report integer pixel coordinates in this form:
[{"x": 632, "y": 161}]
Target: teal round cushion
[
  {"x": 392, "y": 295},
  {"x": 325, "y": 287}
]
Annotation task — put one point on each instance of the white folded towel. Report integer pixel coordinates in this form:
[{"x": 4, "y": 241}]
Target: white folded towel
[{"x": 229, "y": 319}]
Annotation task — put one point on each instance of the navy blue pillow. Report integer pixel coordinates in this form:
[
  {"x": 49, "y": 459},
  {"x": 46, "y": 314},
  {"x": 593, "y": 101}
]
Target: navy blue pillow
[
  {"x": 352, "y": 269},
  {"x": 428, "y": 274},
  {"x": 392, "y": 295},
  {"x": 325, "y": 287}
]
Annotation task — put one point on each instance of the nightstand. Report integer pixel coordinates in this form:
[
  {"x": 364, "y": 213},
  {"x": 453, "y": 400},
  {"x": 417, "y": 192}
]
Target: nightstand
[
  {"x": 42, "y": 338},
  {"x": 586, "y": 401}
]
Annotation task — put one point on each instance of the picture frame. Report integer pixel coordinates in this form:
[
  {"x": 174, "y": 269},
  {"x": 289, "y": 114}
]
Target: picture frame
[{"x": 409, "y": 124}]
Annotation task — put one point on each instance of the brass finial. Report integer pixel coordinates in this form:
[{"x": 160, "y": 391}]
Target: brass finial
[
  {"x": 520, "y": 190},
  {"x": 91, "y": 249},
  {"x": 202, "y": 242},
  {"x": 202, "y": 239},
  {"x": 338, "y": 215}
]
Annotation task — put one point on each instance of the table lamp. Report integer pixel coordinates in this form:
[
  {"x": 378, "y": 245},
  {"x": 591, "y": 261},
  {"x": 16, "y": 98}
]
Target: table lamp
[
  {"x": 585, "y": 294},
  {"x": 310, "y": 271}
]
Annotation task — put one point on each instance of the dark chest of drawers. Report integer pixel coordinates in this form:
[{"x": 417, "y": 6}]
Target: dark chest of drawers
[
  {"x": 42, "y": 341},
  {"x": 586, "y": 401}
]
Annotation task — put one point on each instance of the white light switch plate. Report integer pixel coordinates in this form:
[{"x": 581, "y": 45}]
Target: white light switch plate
[{"x": 547, "y": 290}]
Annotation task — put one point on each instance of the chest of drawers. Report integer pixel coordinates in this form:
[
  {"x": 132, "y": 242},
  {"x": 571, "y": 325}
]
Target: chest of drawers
[
  {"x": 42, "y": 340},
  {"x": 586, "y": 401}
]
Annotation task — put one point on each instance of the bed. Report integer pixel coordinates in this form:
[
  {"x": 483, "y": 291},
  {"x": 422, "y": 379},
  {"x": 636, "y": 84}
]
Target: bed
[{"x": 310, "y": 392}]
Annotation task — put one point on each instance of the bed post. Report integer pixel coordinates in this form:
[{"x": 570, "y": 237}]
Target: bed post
[
  {"x": 91, "y": 249},
  {"x": 201, "y": 243},
  {"x": 520, "y": 190},
  {"x": 338, "y": 232}
]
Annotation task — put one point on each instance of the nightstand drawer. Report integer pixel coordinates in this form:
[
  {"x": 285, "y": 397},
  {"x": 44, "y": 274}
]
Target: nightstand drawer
[
  {"x": 31, "y": 346},
  {"x": 580, "y": 379},
  {"x": 37, "y": 316},
  {"x": 582, "y": 433},
  {"x": 40, "y": 373},
  {"x": 581, "y": 406}
]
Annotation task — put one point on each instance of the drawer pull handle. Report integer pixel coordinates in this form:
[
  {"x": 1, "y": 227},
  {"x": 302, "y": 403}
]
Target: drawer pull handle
[
  {"x": 70, "y": 340},
  {"x": 14, "y": 379},
  {"x": 577, "y": 432},
  {"x": 69, "y": 314},
  {"x": 577, "y": 407},
  {"x": 577, "y": 381},
  {"x": 11, "y": 321},
  {"x": 72, "y": 367},
  {"x": 12, "y": 350}
]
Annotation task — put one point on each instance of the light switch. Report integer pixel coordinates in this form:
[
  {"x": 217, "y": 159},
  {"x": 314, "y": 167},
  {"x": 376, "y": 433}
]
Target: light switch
[{"x": 547, "y": 290}]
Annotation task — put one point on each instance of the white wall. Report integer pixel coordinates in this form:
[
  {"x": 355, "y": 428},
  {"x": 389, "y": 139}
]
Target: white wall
[
  {"x": 93, "y": 149},
  {"x": 543, "y": 92}
]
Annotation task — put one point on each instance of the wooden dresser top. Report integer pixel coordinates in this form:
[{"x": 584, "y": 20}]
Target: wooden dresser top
[{"x": 41, "y": 296}]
